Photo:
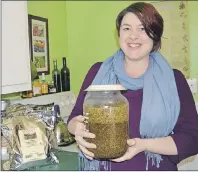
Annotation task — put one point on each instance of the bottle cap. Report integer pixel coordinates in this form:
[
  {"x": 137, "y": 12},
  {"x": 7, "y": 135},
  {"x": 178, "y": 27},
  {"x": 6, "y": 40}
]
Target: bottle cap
[{"x": 43, "y": 76}]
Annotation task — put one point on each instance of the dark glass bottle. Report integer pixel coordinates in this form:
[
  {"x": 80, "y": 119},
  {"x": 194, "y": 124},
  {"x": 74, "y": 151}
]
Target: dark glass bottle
[
  {"x": 56, "y": 77},
  {"x": 65, "y": 76}
]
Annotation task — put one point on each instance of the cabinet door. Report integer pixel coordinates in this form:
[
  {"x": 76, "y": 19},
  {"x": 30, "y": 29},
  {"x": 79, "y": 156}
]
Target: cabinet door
[{"x": 16, "y": 73}]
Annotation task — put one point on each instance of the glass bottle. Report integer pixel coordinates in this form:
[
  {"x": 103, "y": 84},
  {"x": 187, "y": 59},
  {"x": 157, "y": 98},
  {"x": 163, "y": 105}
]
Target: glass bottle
[
  {"x": 108, "y": 115},
  {"x": 65, "y": 76},
  {"x": 56, "y": 77},
  {"x": 44, "y": 85},
  {"x": 36, "y": 87}
]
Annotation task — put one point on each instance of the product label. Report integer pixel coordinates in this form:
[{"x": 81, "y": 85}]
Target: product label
[
  {"x": 52, "y": 90},
  {"x": 34, "y": 153},
  {"x": 36, "y": 90},
  {"x": 44, "y": 88},
  {"x": 32, "y": 144}
]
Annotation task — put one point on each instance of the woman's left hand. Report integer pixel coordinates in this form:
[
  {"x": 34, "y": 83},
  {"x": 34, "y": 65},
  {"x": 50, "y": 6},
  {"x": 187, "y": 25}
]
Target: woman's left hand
[{"x": 136, "y": 146}]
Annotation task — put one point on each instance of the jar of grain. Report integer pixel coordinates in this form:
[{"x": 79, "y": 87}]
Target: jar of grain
[{"x": 108, "y": 115}]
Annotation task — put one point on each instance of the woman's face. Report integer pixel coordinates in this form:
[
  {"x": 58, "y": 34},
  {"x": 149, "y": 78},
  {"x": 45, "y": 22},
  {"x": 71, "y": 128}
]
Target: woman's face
[{"x": 134, "y": 41}]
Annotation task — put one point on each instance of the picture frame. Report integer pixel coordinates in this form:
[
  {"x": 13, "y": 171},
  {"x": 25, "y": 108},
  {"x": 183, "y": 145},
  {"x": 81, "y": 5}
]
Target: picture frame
[{"x": 39, "y": 43}]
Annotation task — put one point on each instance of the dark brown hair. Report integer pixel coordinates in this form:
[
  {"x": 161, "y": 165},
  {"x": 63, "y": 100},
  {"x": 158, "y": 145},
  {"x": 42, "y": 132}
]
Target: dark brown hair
[{"x": 150, "y": 19}]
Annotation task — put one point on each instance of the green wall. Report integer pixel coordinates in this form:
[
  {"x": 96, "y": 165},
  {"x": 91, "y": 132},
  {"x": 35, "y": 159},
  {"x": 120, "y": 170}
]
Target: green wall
[
  {"x": 55, "y": 12},
  {"x": 92, "y": 35},
  {"x": 91, "y": 28}
]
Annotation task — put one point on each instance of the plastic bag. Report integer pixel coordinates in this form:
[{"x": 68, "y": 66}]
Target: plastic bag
[{"x": 29, "y": 128}]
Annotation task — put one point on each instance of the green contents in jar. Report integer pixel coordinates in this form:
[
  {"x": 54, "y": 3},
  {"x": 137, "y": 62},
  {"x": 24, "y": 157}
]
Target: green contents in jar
[{"x": 110, "y": 125}]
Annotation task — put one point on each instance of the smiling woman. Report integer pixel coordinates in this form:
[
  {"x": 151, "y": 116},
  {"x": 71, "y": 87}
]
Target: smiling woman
[
  {"x": 145, "y": 20},
  {"x": 163, "y": 122}
]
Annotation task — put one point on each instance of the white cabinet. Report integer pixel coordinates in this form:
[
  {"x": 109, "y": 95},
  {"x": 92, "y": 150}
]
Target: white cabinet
[{"x": 16, "y": 73}]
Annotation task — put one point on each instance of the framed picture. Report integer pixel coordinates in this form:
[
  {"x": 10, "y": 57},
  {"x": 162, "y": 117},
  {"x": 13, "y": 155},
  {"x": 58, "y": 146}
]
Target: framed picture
[{"x": 39, "y": 43}]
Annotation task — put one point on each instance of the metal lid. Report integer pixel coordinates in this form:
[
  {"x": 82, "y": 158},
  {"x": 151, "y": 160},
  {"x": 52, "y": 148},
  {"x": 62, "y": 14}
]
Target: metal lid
[{"x": 105, "y": 87}]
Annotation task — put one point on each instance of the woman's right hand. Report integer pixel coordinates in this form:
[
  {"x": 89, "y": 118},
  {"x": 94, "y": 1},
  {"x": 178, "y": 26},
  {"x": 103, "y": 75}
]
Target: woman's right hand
[{"x": 80, "y": 132}]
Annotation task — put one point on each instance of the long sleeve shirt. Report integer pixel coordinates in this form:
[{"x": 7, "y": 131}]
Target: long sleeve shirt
[{"x": 185, "y": 131}]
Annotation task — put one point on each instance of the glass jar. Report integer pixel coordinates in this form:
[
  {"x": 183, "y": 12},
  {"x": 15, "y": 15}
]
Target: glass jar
[{"x": 108, "y": 115}]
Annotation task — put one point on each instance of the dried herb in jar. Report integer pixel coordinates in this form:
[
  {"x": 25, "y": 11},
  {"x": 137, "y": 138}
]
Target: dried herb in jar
[{"x": 110, "y": 125}]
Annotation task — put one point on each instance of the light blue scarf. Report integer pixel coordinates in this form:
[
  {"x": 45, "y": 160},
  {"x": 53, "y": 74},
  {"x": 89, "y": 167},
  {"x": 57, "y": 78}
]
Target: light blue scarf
[{"x": 161, "y": 105}]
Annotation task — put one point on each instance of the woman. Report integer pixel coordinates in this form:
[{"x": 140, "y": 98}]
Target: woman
[{"x": 163, "y": 117}]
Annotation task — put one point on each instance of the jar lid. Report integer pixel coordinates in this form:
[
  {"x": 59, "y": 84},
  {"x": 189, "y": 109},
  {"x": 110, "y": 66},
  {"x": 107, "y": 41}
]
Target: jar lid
[{"x": 105, "y": 87}]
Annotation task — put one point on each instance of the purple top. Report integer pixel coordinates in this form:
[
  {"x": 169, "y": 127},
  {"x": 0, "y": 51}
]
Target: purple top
[{"x": 185, "y": 131}]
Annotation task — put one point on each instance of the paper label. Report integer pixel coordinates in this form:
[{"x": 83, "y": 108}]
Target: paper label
[
  {"x": 32, "y": 144},
  {"x": 33, "y": 153},
  {"x": 36, "y": 90}
]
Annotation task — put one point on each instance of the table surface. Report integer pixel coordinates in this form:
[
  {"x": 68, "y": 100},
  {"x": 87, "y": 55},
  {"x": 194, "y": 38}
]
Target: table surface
[{"x": 68, "y": 161}]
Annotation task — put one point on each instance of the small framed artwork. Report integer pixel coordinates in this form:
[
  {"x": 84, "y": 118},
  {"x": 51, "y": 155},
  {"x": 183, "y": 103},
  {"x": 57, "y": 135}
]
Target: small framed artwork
[{"x": 39, "y": 43}]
